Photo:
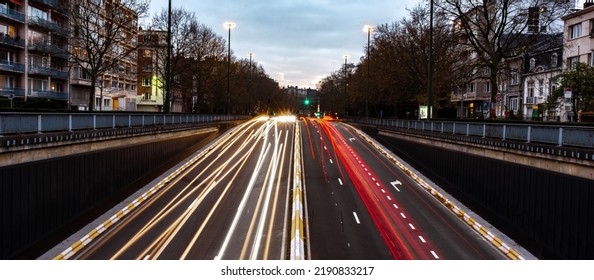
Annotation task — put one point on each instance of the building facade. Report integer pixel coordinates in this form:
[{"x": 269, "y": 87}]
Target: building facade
[
  {"x": 149, "y": 70},
  {"x": 33, "y": 50}
]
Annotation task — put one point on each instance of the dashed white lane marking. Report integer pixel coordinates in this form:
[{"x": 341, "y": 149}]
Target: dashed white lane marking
[
  {"x": 356, "y": 217},
  {"x": 411, "y": 226},
  {"x": 331, "y": 161},
  {"x": 389, "y": 198},
  {"x": 422, "y": 239},
  {"x": 402, "y": 214},
  {"x": 434, "y": 255},
  {"x": 384, "y": 191},
  {"x": 395, "y": 206},
  {"x": 340, "y": 181}
]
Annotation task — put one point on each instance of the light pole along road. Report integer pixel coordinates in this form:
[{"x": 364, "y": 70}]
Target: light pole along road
[{"x": 231, "y": 203}]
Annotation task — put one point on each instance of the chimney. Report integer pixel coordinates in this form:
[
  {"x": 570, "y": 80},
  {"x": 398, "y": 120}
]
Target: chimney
[{"x": 588, "y": 3}]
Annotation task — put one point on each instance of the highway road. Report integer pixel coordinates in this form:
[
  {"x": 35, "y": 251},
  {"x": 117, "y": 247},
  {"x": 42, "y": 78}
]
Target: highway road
[
  {"x": 234, "y": 200},
  {"x": 362, "y": 206},
  {"x": 231, "y": 203}
]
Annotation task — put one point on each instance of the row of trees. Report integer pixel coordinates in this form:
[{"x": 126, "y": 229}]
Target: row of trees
[
  {"x": 496, "y": 31},
  {"x": 199, "y": 70},
  {"x": 198, "y": 61}
]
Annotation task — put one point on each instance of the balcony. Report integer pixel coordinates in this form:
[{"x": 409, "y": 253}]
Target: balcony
[
  {"x": 11, "y": 66},
  {"x": 54, "y": 73},
  {"x": 49, "y": 48},
  {"x": 530, "y": 100},
  {"x": 48, "y": 25},
  {"x": 53, "y": 4},
  {"x": 11, "y": 41},
  {"x": 16, "y": 92},
  {"x": 48, "y": 94},
  {"x": 12, "y": 14}
]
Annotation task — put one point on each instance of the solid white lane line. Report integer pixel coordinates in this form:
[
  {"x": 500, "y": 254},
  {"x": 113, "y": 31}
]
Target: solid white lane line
[{"x": 356, "y": 217}]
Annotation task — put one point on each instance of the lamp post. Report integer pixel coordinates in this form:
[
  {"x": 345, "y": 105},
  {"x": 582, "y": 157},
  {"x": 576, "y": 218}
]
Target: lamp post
[
  {"x": 229, "y": 25},
  {"x": 167, "y": 105},
  {"x": 250, "y": 85},
  {"x": 430, "y": 66},
  {"x": 368, "y": 29},
  {"x": 345, "y": 85}
]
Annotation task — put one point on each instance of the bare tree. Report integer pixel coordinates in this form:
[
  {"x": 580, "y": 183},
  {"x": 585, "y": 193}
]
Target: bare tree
[
  {"x": 102, "y": 32},
  {"x": 498, "y": 29},
  {"x": 191, "y": 44}
]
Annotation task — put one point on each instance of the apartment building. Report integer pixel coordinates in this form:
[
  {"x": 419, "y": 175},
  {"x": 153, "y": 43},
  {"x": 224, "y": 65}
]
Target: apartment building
[
  {"x": 110, "y": 29},
  {"x": 150, "y": 69},
  {"x": 33, "y": 50}
]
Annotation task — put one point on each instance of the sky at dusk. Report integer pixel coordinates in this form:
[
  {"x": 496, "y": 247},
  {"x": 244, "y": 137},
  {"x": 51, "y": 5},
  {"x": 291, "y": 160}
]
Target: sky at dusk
[{"x": 298, "y": 42}]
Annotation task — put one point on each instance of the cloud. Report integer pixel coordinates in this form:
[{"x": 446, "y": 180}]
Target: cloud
[{"x": 299, "y": 42}]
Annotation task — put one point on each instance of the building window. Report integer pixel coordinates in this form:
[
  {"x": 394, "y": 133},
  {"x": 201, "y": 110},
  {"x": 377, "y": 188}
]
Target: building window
[
  {"x": 573, "y": 61},
  {"x": 488, "y": 87},
  {"x": 147, "y": 53},
  {"x": 554, "y": 59},
  {"x": 470, "y": 88},
  {"x": 514, "y": 78},
  {"x": 540, "y": 87},
  {"x": 532, "y": 64},
  {"x": 530, "y": 89},
  {"x": 575, "y": 31},
  {"x": 146, "y": 82},
  {"x": 513, "y": 104}
]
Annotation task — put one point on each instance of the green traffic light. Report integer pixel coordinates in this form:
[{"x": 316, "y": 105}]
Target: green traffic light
[{"x": 306, "y": 101}]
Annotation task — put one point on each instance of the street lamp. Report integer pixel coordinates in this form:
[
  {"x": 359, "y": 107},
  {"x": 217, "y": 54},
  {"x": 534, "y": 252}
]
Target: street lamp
[
  {"x": 229, "y": 25},
  {"x": 167, "y": 105},
  {"x": 368, "y": 29},
  {"x": 430, "y": 66},
  {"x": 345, "y": 84},
  {"x": 250, "y": 85}
]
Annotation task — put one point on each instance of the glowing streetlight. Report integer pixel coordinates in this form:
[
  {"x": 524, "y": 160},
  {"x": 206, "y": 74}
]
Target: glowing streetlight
[
  {"x": 368, "y": 29},
  {"x": 229, "y": 25}
]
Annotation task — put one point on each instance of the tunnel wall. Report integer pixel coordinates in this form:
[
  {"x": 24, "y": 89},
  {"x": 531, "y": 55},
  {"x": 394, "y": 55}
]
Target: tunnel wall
[
  {"x": 548, "y": 213},
  {"x": 39, "y": 198}
]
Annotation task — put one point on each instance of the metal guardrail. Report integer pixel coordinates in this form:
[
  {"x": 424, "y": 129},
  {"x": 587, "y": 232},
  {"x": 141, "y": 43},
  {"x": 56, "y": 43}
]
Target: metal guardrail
[
  {"x": 559, "y": 135},
  {"x": 14, "y": 123}
]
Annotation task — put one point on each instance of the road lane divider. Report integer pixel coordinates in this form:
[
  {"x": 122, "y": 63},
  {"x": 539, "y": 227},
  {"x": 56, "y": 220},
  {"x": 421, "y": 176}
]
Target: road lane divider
[
  {"x": 93, "y": 234},
  {"x": 494, "y": 240},
  {"x": 297, "y": 216}
]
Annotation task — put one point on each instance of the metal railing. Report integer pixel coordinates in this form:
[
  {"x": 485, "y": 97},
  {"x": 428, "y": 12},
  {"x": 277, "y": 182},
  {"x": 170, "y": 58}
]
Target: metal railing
[
  {"x": 12, "y": 123},
  {"x": 559, "y": 135}
]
